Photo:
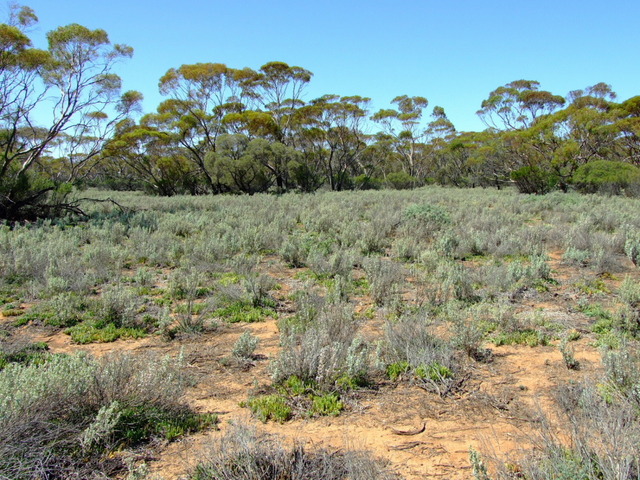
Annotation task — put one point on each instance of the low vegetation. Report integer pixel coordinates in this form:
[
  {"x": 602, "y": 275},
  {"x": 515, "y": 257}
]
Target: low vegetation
[
  {"x": 66, "y": 416},
  {"x": 412, "y": 290}
]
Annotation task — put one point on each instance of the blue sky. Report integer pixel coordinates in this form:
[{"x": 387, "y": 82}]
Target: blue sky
[{"x": 452, "y": 52}]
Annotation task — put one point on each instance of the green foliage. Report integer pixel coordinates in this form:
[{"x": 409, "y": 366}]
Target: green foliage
[
  {"x": 327, "y": 405},
  {"x": 532, "y": 338},
  {"x": 568, "y": 355},
  {"x": 270, "y": 407},
  {"x": 26, "y": 354},
  {"x": 400, "y": 180},
  {"x": 141, "y": 423},
  {"x": 533, "y": 179},
  {"x": 606, "y": 176},
  {"x": 87, "y": 332},
  {"x": 434, "y": 372},
  {"x": 429, "y": 215},
  {"x": 394, "y": 370},
  {"x": 477, "y": 465},
  {"x": 242, "y": 311}
]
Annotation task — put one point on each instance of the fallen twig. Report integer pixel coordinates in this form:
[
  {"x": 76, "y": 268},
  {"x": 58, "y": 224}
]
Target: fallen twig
[
  {"x": 405, "y": 446},
  {"x": 410, "y": 432}
]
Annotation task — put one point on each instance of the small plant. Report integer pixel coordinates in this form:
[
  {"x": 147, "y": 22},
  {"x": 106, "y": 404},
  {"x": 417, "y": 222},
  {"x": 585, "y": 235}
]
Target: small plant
[
  {"x": 477, "y": 465},
  {"x": 529, "y": 337},
  {"x": 431, "y": 216},
  {"x": 385, "y": 279},
  {"x": 295, "y": 386},
  {"x": 117, "y": 305},
  {"x": 270, "y": 407},
  {"x": 394, "y": 370},
  {"x": 568, "y": 355},
  {"x": 577, "y": 257},
  {"x": 327, "y": 405},
  {"x": 87, "y": 332},
  {"x": 629, "y": 292},
  {"x": 241, "y": 311},
  {"x": 632, "y": 249},
  {"x": 322, "y": 351},
  {"x": 469, "y": 336},
  {"x": 593, "y": 287},
  {"x": 12, "y": 312},
  {"x": 24, "y": 353},
  {"x": 245, "y": 346},
  {"x": 434, "y": 372}
]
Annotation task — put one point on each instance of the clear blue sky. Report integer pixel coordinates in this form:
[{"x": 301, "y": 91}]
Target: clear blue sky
[{"x": 452, "y": 52}]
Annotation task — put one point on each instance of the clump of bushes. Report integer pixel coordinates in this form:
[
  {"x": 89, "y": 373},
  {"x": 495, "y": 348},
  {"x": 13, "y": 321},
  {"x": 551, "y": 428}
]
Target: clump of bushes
[
  {"x": 413, "y": 351},
  {"x": 321, "y": 359},
  {"x": 324, "y": 350},
  {"x": 65, "y": 417}
]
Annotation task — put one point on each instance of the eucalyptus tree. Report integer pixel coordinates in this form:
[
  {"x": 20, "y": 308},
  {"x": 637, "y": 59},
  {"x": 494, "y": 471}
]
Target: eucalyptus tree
[
  {"x": 514, "y": 113},
  {"x": 628, "y": 125},
  {"x": 517, "y": 105},
  {"x": 280, "y": 88},
  {"x": 405, "y": 130},
  {"x": 145, "y": 155},
  {"x": 581, "y": 132},
  {"x": 237, "y": 165},
  {"x": 333, "y": 136},
  {"x": 60, "y": 102},
  {"x": 199, "y": 97}
]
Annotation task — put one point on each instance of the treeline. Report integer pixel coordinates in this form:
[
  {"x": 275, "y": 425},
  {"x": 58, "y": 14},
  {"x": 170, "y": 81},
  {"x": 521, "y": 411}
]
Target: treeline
[{"x": 240, "y": 130}]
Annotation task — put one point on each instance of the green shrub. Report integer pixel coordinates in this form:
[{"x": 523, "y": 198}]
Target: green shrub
[
  {"x": 606, "y": 176},
  {"x": 323, "y": 351},
  {"x": 328, "y": 404},
  {"x": 385, "y": 279},
  {"x": 400, "y": 180},
  {"x": 270, "y": 407},
  {"x": 411, "y": 340},
  {"x": 430, "y": 215},
  {"x": 532, "y": 179}
]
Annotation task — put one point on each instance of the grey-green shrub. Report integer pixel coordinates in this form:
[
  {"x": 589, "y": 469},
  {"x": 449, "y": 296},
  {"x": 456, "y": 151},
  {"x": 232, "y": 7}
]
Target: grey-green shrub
[
  {"x": 59, "y": 418},
  {"x": 385, "y": 279},
  {"x": 245, "y": 345},
  {"x": 324, "y": 350}
]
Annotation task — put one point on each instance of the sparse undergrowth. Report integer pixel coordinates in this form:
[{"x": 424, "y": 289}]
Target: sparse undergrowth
[{"x": 244, "y": 454}]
